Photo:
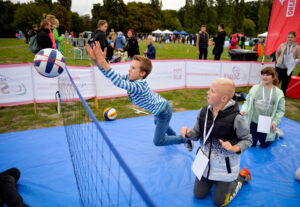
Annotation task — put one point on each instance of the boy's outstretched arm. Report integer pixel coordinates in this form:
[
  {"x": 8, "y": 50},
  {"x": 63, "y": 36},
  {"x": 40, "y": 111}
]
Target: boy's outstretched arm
[{"x": 97, "y": 55}]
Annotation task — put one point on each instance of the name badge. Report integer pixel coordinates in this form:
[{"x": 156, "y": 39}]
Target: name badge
[
  {"x": 199, "y": 164},
  {"x": 264, "y": 124}
]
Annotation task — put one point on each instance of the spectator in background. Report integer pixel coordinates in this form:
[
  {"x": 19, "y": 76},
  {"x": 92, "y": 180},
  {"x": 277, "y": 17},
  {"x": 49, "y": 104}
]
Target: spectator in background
[
  {"x": 243, "y": 40},
  {"x": 233, "y": 43},
  {"x": 289, "y": 48},
  {"x": 132, "y": 46},
  {"x": 100, "y": 35},
  {"x": 119, "y": 41},
  {"x": 251, "y": 42},
  {"x": 112, "y": 34},
  {"x": 202, "y": 43},
  {"x": 151, "y": 51},
  {"x": 81, "y": 44},
  {"x": 219, "y": 42},
  {"x": 58, "y": 39},
  {"x": 110, "y": 49},
  {"x": 33, "y": 31},
  {"x": 257, "y": 47},
  {"x": 43, "y": 38},
  {"x": 51, "y": 19}
]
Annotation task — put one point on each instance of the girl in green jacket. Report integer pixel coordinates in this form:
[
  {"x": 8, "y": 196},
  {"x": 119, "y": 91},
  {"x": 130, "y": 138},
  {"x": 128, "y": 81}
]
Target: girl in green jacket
[
  {"x": 264, "y": 106},
  {"x": 58, "y": 39}
]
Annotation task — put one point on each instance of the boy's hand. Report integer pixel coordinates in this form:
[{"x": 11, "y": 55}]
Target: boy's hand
[
  {"x": 243, "y": 113},
  {"x": 227, "y": 145},
  {"x": 273, "y": 127},
  {"x": 185, "y": 132},
  {"x": 97, "y": 55}
]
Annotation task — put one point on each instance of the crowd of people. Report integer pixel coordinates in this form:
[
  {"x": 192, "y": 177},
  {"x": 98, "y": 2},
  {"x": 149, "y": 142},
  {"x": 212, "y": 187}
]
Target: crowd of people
[{"x": 223, "y": 130}]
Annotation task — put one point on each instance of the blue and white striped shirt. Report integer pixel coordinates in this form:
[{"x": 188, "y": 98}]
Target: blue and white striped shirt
[{"x": 138, "y": 91}]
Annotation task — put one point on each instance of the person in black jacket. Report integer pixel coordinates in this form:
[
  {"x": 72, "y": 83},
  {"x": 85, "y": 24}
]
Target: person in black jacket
[
  {"x": 219, "y": 42},
  {"x": 100, "y": 35},
  {"x": 132, "y": 46},
  {"x": 43, "y": 38}
]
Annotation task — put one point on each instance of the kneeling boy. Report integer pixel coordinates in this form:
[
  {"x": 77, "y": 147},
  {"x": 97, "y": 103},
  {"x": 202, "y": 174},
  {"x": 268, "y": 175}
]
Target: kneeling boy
[{"x": 223, "y": 135}]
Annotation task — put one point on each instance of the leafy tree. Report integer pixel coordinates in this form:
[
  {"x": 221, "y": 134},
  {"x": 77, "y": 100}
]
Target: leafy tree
[
  {"x": 7, "y": 10},
  {"x": 238, "y": 19},
  {"x": 170, "y": 20},
  {"x": 221, "y": 9},
  {"x": 180, "y": 15},
  {"x": 47, "y": 3},
  {"x": 65, "y": 3},
  {"x": 188, "y": 15},
  {"x": 114, "y": 11},
  {"x": 201, "y": 12},
  {"x": 64, "y": 16},
  {"x": 249, "y": 27},
  {"x": 263, "y": 18},
  {"x": 87, "y": 23},
  {"x": 77, "y": 23},
  {"x": 142, "y": 18},
  {"x": 28, "y": 14}
]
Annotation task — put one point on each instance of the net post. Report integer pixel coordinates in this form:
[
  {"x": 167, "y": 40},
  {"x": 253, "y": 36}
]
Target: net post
[
  {"x": 34, "y": 106},
  {"x": 96, "y": 103},
  {"x": 94, "y": 79}
]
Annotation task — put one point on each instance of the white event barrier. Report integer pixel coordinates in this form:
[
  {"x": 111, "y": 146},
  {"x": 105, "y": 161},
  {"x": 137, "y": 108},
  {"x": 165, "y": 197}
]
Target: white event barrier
[{"x": 21, "y": 84}]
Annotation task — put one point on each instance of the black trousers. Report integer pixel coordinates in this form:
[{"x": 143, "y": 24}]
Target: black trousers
[
  {"x": 282, "y": 76},
  {"x": 218, "y": 52},
  {"x": 222, "y": 191},
  {"x": 203, "y": 52},
  {"x": 8, "y": 190}
]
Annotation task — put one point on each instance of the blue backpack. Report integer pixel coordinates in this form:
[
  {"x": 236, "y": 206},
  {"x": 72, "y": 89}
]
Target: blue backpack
[{"x": 33, "y": 45}]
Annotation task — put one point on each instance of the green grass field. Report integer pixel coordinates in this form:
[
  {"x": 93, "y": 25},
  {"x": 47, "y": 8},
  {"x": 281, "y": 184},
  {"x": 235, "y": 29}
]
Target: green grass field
[{"x": 22, "y": 117}]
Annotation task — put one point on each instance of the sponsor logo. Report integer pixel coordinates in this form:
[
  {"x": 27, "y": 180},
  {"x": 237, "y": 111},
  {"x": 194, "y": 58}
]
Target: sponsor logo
[
  {"x": 237, "y": 74},
  {"x": 9, "y": 86},
  {"x": 177, "y": 74},
  {"x": 290, "y": 11},
  {"x": 79, "y": 83}
]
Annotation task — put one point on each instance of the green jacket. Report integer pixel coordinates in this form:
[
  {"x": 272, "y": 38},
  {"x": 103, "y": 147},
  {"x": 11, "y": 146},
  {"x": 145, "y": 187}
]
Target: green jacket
[
  {"x": 57, "y": 38},
  {"x": 278, "y": 109}
]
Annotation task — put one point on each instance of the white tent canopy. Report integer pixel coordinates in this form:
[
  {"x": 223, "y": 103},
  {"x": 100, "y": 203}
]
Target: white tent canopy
[
  {"x": 157, "y": 32},
  {"x": 167, "y": 32},
  {"x": 263, "y": 34}
]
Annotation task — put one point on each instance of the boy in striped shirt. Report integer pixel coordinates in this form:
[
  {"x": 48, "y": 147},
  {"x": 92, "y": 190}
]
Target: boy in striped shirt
[{"x": 141, "y": 95}]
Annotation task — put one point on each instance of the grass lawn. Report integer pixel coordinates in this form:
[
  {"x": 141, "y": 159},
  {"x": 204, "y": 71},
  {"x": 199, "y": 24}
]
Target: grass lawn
[{"x": 22, "y": 117}]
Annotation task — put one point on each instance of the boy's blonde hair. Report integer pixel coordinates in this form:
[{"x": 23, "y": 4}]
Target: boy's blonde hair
[
  {"x": 228, "y": 86},
  {"x": 146, "y": 65}
]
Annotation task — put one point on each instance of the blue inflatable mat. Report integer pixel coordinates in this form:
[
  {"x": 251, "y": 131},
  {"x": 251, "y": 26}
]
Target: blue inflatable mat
[{"x": 48, "y": 179}]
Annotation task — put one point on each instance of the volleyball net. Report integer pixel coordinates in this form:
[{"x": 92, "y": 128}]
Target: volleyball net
[{"x": 102, "y": 176}]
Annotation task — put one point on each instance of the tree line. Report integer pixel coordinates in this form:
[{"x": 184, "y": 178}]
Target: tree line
[{"x": 250, "y": 18}]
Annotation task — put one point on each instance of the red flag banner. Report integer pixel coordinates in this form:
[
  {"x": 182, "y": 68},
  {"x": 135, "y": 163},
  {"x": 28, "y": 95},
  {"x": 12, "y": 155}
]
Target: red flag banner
[{"x": 285, "y": 17}]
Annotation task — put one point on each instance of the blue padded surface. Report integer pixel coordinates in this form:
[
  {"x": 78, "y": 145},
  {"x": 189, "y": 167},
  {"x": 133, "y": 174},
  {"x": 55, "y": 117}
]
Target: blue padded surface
[{"x": 165, "y": 172}]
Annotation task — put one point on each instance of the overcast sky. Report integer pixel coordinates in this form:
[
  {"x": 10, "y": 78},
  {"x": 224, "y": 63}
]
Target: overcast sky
[{"x": 85, "y": 6}]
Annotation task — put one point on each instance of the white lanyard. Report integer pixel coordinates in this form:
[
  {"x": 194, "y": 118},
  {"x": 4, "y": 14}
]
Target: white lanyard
[
  {"x": 269, "y": 98},
  {"x": 205, "y": 136}
]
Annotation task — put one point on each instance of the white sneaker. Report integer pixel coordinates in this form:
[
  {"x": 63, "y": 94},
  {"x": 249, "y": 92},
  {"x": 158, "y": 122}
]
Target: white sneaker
[{"x": 279, "y": 133}]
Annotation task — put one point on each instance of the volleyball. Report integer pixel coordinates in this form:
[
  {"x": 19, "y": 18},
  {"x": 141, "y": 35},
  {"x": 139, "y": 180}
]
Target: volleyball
[
  {"x": 110, "y": 114},
  {"x": 49, "y": 63}
]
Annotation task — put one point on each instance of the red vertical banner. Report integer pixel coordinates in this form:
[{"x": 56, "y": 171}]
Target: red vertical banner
[{"x": 285, "y": 17}]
